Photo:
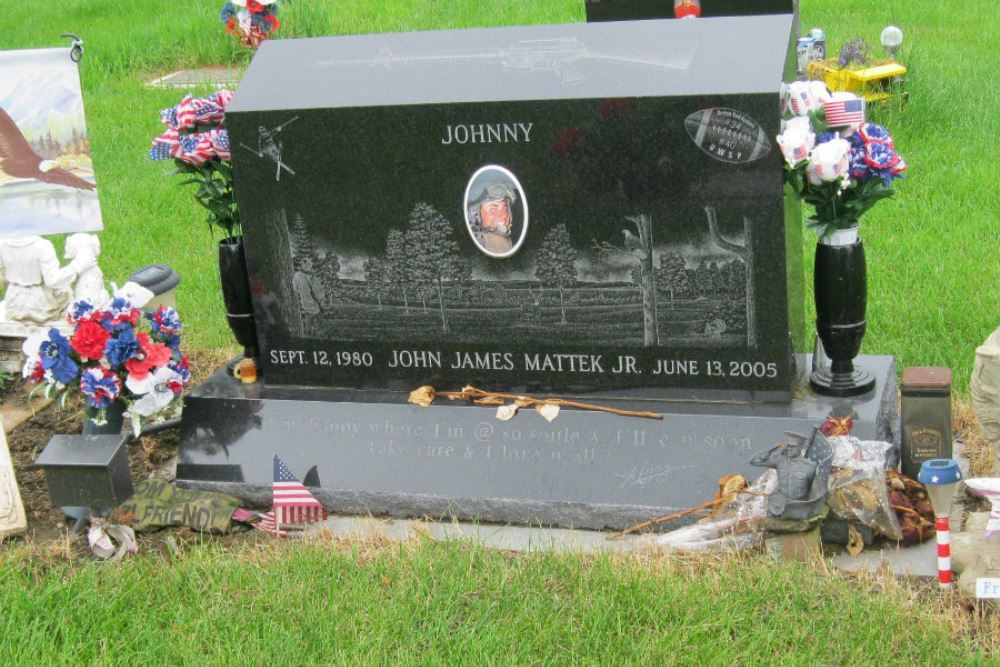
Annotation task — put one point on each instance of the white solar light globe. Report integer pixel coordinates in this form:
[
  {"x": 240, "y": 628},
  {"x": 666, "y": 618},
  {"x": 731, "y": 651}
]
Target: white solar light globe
[{"x": 891, "y": 38}]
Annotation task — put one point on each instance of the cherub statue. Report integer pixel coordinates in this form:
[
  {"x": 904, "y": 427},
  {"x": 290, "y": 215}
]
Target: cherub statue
[
  {"x": 89, "y": 285},
  {"x": 38, "y": 290}
]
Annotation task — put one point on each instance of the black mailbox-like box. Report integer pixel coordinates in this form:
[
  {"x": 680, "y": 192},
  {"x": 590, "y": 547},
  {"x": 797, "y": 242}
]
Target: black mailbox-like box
[
  {"x": 86, "y": 470},
  {"x": 585, "y": 207}
]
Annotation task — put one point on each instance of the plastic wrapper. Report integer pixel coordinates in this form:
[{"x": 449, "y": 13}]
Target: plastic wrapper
[
  {"x": 735, "y": 526},
  {"x": 859, "y": 494},
  {"x": 850, "y": 452},
  {"x": 988, "y": 487}
]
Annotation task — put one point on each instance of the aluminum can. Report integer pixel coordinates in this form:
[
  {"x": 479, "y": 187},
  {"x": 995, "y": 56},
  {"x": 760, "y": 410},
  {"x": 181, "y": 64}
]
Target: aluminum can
[
  {"x": 803, "y": 54},
  {"x": 819, "y": 44}
]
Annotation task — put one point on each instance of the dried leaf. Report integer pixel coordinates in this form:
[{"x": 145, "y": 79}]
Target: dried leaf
[
  {"x": 488, "y": 400},
  {"x": 837, "y": 426},
  {"x": 506, "y": 412},
  {"x": 855, "y": 543},
  {"x": 423, "y": 396},
  {"x": 548, "y": 411}
]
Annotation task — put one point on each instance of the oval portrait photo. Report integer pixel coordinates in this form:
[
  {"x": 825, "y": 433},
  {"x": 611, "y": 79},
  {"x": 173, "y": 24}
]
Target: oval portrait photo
[{"x": 496, "y": 211}]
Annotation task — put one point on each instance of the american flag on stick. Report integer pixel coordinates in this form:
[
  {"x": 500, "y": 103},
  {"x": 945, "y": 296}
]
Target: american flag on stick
[
  {"x": 294, "y": 506},
  {"x": 844, "y": 112}
]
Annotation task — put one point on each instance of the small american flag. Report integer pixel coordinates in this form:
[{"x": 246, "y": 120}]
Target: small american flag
[
  {"x": 268, "y": 525},
  {"x": 844, "y": 112},
  {"x": 293, "y": 504}
]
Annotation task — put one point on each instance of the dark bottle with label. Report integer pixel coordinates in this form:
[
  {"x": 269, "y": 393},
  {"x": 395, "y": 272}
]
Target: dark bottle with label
[{"x": 926, "y": 417}]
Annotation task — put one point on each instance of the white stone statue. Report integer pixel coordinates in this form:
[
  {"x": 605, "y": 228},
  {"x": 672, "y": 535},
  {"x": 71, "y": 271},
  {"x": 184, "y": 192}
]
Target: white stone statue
[
  {"x": 38, "y": 289},
  {"x": 89, "y": 285},
  {"x": 985, "y": 387}
]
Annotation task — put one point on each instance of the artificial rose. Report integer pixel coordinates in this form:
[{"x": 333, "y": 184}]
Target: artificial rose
[
  {"x": 100, "y": 386},
  {"x": 89, "y": 340},
  {"x": 157, "y": 390},
  {"x": 151, "y": 355},
  {"x": 796, "y": 144},
  {"x": 56, "y": 360},
  {"x": 829, "y": 161},
  {"x": 804, "y": 96}
]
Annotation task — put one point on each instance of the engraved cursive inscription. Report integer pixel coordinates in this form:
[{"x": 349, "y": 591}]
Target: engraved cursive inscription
[{"x": 644, "y": 473}]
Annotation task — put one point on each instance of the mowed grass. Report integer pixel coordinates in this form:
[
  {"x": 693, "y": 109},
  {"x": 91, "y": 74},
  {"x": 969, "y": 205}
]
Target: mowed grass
[
  {"x": 934, "y": 259},
  {"x": 357, "y": 603}
]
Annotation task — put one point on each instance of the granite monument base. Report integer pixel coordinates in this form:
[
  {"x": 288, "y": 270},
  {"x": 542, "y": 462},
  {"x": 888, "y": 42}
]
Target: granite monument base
[{"x": 377, "y": 454}]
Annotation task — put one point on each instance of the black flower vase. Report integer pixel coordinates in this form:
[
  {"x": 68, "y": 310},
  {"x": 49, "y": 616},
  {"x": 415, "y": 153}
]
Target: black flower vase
[
  {"x": 114, "y": 415},
  {"x": 840, "y": 280},
  {"x": 236, "y": 294}
]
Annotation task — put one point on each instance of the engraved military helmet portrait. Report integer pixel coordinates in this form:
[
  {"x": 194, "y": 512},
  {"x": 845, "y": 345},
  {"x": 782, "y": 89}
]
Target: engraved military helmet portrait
[{"x": 496, "y": 211}]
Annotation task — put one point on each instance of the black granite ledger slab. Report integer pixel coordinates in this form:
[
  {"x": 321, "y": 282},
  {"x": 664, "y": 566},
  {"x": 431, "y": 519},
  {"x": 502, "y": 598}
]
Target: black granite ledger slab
[
  {"x": 376, "y": 453},
  {"x": 638, "y": 239}
]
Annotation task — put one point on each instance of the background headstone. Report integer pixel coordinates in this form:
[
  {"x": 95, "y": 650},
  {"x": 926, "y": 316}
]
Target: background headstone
[{"x": 12, "y": 517}]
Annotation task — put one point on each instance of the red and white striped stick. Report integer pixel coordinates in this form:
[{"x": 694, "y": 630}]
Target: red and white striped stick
[{"x": 943, "y": 527}]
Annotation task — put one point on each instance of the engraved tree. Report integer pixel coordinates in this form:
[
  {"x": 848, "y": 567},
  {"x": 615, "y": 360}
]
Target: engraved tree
[
  {"x": 328, "y": 270},
  {"x": 744, "y": 252},
  {"x": 671, "y": 276},
  {"x": 431, "y": 239},
  {"x": 375, "y": 276},
  {"x": 557, "y": 263},
  {"x": 639, "y": 246},
  {"x": 397, "y": 263},
  {"x": 611, "y": 157}
]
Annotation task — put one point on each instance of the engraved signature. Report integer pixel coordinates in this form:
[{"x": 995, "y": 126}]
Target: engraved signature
[{"x": 645, "y": 473}]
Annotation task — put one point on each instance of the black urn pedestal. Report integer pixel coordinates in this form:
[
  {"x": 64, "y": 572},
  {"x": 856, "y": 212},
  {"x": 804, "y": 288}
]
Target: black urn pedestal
[
  {"x": 236, "y": 294},
  {"x": 840, "y": 283}
]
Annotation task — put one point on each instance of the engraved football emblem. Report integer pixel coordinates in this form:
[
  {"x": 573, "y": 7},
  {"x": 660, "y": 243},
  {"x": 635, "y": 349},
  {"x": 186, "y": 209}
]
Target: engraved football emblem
[{"x": 727, "y": 135}]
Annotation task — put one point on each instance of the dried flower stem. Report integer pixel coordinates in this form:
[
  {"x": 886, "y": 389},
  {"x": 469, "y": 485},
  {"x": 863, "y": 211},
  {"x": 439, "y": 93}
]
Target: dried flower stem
[
  {"x": 473, "y": 394},
  {"x": 662, "y": 519}
]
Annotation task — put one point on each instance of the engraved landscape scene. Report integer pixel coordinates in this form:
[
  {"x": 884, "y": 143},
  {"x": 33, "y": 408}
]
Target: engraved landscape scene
[{"x": 422, "y": 287}]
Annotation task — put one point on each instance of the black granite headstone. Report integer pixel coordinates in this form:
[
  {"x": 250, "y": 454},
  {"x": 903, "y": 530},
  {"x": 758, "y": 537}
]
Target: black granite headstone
[
  {"x": 593, "y": 209},
  {"x": 575, "y": 207}
]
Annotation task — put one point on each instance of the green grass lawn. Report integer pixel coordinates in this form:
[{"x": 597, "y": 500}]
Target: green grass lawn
[
  {"x": 449, "y": 604},
  {"x": 934, "y": 262}
]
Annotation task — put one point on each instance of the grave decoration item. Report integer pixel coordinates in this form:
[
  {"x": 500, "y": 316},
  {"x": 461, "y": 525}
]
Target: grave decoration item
[
  {"x": 989, "y": 488},
  {"x": 86, "y": 475},
  {"x": 803, "y": 470},
  {"x": 250, "y": 21},
  {"x": 46, "y": 176},
  {"x": 116, "y": 366},
  {"x": 926, "y": 413},
  {"x": 293, "y": 507},
  {"x": 975, "y": 557},
  {"x": 198, "y": 143},
  {"x": 842, "y": 166},
  {"x": 985, "y": 388},
  {"x": 38, "y": 289},
  {"x": 941, "y": 476},
  {"x": 12, "y": 517}
]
